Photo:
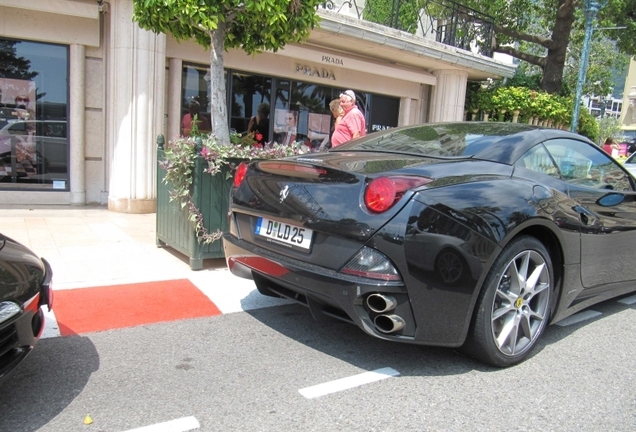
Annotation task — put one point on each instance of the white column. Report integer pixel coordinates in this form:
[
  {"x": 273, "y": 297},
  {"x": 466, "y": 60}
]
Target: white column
[
  {"x": 448, "y": 95},
  {"x": 174, "y": 98},
  {"x": 136, "y": 79},
  {"x": 404, "y": 117},
  {"x": 77, "y": 122}
]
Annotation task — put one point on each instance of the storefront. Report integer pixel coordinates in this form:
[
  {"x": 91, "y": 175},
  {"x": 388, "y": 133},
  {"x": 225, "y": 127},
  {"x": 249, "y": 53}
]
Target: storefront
[
  {"x": 628, "y": 113},
  {"x": 85, "y": 94},
  {"x": 286, "y": 106},
  {"x": 48, "y": 47}
]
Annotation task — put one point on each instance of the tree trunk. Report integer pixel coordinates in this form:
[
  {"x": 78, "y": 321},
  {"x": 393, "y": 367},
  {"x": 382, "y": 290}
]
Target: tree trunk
[
  {"x": 218, "y": 102},
  {"x": 555, "y": 59}
]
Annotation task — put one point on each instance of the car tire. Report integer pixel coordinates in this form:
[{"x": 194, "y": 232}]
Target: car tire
[{"x": 514, "y": 306}]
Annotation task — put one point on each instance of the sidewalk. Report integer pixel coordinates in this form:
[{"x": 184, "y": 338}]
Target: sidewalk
[{"x": 91, "y": 247}]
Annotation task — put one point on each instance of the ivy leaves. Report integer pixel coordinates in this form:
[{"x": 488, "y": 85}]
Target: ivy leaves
[{"x": 179, "y": 163}]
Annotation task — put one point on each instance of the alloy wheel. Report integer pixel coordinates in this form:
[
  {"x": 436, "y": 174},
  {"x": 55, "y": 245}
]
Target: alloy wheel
[{"x": 521, "y": 303}]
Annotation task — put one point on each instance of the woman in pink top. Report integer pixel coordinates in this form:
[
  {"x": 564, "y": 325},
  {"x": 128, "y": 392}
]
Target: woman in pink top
[{"x": 352, "y": 125}]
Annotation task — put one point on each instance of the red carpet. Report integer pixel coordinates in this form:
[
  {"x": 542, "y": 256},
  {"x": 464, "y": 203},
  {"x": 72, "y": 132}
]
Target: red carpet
[{"x": 117, "y": 306}]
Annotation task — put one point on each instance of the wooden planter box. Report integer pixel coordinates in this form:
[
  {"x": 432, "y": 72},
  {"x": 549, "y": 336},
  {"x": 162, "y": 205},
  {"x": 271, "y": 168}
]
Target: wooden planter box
[{"x": 210, "y": 194}]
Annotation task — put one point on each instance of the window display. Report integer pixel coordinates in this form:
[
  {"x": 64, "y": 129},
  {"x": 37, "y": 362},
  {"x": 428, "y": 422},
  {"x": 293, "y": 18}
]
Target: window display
[
  {"x": 281, "y": 110},
  {"x": 33, "y": 116}
]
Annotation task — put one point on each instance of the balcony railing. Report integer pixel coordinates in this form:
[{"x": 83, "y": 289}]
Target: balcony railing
[{"x": 441, "y": 20}]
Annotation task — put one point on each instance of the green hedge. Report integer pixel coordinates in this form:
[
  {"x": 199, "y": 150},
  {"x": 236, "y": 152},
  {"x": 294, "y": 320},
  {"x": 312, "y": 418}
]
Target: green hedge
[{"x": 507, "y": 103}]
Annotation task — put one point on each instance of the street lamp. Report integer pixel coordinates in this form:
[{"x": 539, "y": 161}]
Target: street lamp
[{"x": 591, "y": 9}]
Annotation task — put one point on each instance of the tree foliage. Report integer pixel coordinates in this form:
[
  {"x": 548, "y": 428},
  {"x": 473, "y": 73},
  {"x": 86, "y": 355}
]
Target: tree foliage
[
  {"x": 605, "y": 60},
  {"x": 550, "y": 26},
  {"x": 251, "y": 25}
]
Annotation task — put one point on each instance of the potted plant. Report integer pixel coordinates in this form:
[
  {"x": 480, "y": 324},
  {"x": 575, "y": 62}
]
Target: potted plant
[{"x": 193, "y": 185}]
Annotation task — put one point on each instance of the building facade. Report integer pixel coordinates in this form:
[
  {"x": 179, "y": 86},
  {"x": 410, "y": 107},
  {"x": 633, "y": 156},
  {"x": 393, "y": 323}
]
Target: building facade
[
  {"x": 628, "y": 113},
  {"x": 85, "y": 93},
  {"x": 603, "y": 106}
]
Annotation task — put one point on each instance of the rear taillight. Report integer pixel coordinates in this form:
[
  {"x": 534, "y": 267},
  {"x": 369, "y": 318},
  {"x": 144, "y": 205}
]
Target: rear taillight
[
  {"x": 371, "y": 264},
  {"x": 383, "y": 192},
  {"x": 240, "y": 174}
]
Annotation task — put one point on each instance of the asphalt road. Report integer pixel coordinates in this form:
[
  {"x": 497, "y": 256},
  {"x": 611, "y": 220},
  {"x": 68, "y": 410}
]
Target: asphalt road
[{"x": 245, "y": 371}]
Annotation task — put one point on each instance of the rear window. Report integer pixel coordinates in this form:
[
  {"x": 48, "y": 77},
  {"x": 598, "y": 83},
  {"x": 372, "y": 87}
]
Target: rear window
[{"x": 436, "y": 139}]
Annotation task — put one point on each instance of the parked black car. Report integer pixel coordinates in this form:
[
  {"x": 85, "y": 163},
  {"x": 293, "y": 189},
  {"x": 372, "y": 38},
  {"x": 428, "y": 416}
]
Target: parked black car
[
  {"x": 472, "y": 234},
  {"x": 25, "y": 286}
]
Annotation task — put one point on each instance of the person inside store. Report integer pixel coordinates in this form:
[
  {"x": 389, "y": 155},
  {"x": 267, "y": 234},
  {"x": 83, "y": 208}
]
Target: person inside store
[
  {"x": 290, "y": 129},
  {"x": 187, "y": 123},
  {"x": 337, "y": 113},
  {"x": 259, "y": 124},
  {"x": 352, "y": 125}
]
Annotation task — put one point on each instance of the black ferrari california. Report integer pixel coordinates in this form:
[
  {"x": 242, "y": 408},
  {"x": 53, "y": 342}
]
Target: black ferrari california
[
  {"x": 472, "y": 235},
  {"x": 25, "y": 286}
]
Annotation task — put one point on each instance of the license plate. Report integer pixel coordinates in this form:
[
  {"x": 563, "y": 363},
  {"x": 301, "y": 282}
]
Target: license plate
[{"x": 284, "y": 234}]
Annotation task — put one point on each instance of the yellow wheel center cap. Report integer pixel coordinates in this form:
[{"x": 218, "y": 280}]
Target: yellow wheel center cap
[{"x": 519, "y": 302}]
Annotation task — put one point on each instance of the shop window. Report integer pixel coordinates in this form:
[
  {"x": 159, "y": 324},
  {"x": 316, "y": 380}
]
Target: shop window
[
  {"x": 302, "y": 113},
  {"x": 195, "y": 99},
  {"x": 249, "y": 95},
  {"x": 34, "y": 145},
  {"x": 385, "y": 113},
  {"x": 290, "y": 110}
]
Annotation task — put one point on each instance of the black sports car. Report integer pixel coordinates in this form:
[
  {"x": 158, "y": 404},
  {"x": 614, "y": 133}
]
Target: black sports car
[
  {"x": 25, "y": 286},
  {"x": 472, "y": 235}
]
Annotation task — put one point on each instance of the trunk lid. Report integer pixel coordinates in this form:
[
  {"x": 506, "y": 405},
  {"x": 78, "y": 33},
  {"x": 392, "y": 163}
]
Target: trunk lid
[
  {"x": 323, "y": 192},
  {"x": 319, "y": 196}
]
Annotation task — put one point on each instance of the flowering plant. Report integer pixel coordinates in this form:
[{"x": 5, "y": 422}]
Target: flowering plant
[
  {"x": 243, "y": 140},
  {"x": 181, "y": 155}
]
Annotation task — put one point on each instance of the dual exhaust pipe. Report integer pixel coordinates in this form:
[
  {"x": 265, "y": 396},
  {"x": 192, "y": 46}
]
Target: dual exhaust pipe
[{"x": 385, "y": 322}]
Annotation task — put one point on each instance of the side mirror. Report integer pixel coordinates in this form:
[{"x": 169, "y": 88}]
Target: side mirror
[{"x": 611, "y": 199}]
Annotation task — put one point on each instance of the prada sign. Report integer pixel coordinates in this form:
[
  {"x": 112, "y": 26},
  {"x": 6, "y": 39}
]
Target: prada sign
[
  {"x": 334, "y": 60},
  {"x": 314, "y": 71}
]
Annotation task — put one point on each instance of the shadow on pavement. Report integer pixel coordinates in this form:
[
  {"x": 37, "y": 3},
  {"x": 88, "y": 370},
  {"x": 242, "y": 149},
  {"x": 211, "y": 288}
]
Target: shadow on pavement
[
  {"x": 347, "y": 342},
  {"x": 46, "y": 382}
]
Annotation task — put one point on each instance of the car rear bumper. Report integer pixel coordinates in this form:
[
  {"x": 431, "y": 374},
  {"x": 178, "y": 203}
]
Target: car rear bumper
[{"x": 324, "y": 291}]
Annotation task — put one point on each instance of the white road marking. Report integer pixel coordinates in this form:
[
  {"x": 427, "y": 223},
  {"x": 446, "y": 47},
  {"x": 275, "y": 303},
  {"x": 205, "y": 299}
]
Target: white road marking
[
  {"x": 628, "y": 300},
  {"x": 579, "y": 317},
  {"x": 179, "y": 425},
  {"x": 51, "y": 328},
  {"x": 347, "y": 383}
]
